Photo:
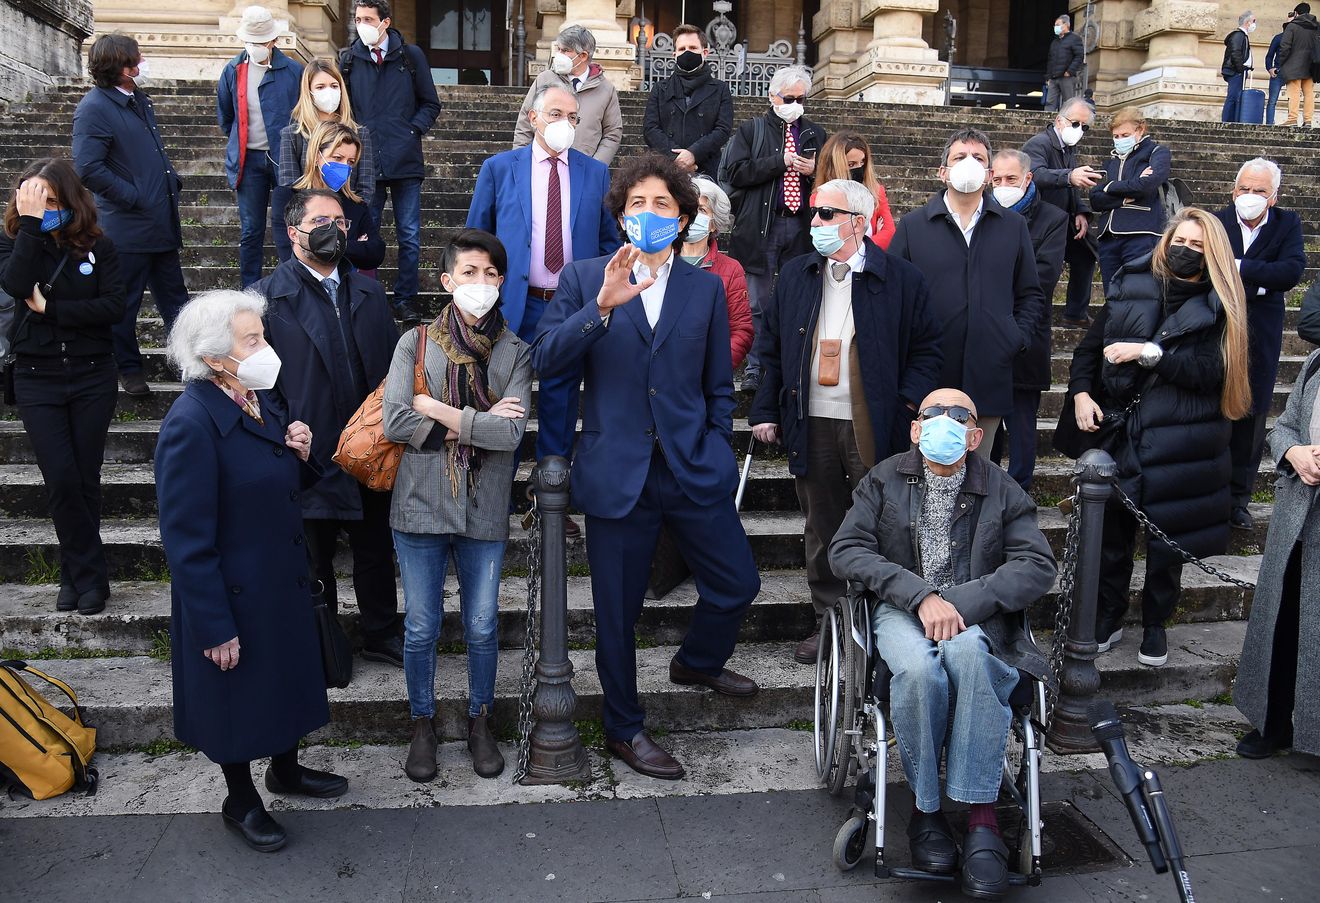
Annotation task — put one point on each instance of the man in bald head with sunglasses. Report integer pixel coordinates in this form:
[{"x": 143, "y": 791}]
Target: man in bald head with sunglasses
[{"x": 950, "y": 548}]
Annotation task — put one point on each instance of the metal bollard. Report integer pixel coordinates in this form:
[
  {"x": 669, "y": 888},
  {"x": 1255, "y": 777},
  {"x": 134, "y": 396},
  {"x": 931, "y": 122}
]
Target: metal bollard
[
  {"x": 1070, "y": 730},
  {"x": 556, "y": 754}
]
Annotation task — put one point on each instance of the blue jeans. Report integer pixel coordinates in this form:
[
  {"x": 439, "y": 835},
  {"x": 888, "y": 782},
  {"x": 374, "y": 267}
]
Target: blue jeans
[
  {"x": 931, "y": 682},
  {"x": 781, "y": 246},
  {"x": 407, "y": 195},
  {"x": 1116, "y": 250},
  {"x": 1272, "y": 101},
  {"x": 423, "y": 558},
  {"x": 1233, "y": 102},
  {"x": 253, "y": 204}
]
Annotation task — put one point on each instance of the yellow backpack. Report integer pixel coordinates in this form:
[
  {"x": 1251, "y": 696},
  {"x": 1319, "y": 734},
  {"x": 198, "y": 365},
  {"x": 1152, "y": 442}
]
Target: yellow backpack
[{"x": 42, "y": 751}]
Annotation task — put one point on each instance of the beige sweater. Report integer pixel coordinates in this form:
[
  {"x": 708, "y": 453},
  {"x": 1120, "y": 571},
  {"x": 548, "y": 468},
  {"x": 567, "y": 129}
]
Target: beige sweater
[{"x": 601, "y": 129}]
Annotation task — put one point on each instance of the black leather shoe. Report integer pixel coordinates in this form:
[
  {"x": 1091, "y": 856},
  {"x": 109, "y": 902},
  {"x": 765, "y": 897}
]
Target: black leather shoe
[
  {"x": 730, "y": 683},
  {"x": 388, "y": 650},
  {"x": 67, "y": 600},
  {"x": 644, "y": 756},
  {"x": 257, "y": 828},
  {"x": 1242, "y": 519},
  {"x": 407, "y": 313},
  {"x": 930, "y": 841},
  {"x": 321, "y": 785},
  {"x": 135, "y": 385},
  {"x": 806, "y": 651},
  {"x": 751, "y": 381},
  {"x": 1073, "y": 322},
  {"x": 92, "y": 603},
  {"x": 1256, "y": 746},
  {"x": 984, "y": 865}
]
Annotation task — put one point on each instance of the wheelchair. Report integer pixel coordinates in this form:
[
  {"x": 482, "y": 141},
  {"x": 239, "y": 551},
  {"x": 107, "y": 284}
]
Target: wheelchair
[{"x": 850, "y": 734}]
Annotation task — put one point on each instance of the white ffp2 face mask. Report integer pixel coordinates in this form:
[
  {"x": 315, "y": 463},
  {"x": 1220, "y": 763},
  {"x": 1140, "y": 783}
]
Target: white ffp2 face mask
[
  {"x": 1250, "y": 206},
  {"x": 1008, "y": 195},
  {"x": 258, "y": 53},
  {"x": 259, "y": 370},
  {"x": 559, "y": 135},
  {"x": 789, "y": 112},
  {"x": 144, "y": 75},
  {"x": 475, "y": 298},
  {"x": 369, "y": 34},
  {"x": 967, "y": 175},
  {"x": 326, "y": 99}
]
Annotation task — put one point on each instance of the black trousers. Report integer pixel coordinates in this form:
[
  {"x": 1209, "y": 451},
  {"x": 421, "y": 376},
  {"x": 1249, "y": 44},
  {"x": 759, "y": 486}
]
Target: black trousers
[
  {"x": 66, "y": 405},
  {"x": 1159, "y": 594},
  {"x": 161, "y": 272},
  {"x": 1081, "y": 274},
  {"x": 1246, "y": 447},
  {"x": 1283, "y": 657},
  {"x": 372, "y": 545}
]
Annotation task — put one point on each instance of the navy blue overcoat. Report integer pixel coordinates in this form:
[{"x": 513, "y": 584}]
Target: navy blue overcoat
[{"x": 231, "y": 524}]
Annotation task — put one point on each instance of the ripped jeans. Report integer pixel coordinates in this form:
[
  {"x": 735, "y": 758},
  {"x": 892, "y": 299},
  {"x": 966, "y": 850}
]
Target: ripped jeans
[
  {"x": 423, "y": 558},
  {"x": 951, "y": 696}
]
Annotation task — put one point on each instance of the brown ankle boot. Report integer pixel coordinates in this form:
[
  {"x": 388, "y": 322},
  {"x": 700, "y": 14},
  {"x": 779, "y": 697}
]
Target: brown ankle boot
[
  {"x": 487, "y": 761},
  {"x": 420, "y": 765}
]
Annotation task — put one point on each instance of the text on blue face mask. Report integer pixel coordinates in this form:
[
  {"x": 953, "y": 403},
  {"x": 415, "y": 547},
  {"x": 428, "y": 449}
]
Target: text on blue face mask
[{"x": 650, "y": 232}]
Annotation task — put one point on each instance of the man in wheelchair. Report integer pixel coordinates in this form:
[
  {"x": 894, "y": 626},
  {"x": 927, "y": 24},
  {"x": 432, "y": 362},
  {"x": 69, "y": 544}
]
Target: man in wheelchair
[{"x": 949, "y": 545}]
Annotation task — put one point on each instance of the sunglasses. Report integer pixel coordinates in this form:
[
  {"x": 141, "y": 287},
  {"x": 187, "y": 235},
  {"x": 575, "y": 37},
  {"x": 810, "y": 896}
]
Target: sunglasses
[
  {"x": 800, "y": 98},
  {"x": 1078, "y": 125},
  {"x": 827, "y": 214},
  {"x": 955, "y": 411}
]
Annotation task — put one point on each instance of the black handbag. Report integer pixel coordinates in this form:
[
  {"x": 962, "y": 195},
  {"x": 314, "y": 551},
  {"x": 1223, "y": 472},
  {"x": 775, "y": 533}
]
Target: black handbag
[
  {"x": 13, "y": 318},
  {"x": 1071, "y": 441},
  {"x": 336, "y": 653}
]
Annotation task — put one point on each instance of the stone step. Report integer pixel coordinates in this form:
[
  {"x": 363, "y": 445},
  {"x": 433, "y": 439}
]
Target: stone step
[
  {"x": 140, "y": 610},
  {"x": 129, "y": 699},
  {"x": 29, "y": 548}
]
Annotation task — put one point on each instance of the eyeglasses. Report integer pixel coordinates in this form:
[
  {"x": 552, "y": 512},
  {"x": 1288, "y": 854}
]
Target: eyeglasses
[
  {"x": 955, "y": 411},
  {"x": 800, "y": 98},
  {"x": 827, "y": 214},
  {"x": 556, "y": 115},
  {"x": 319, "y": 221},
  {"x": 1077, "y": 124}
]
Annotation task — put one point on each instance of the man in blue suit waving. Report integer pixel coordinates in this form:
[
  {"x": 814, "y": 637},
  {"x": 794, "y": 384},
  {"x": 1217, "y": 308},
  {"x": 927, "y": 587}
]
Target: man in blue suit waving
[
  {"x": 545, "y": 203},
  {"x": 651, "y": 336}
]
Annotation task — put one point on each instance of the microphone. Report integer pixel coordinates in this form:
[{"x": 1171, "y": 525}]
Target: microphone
[{"x": 1108, "y": 731}]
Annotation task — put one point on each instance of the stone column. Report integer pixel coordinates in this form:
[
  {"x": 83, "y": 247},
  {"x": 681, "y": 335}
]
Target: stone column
[
  {"x": 607, "y": 20},
  {"x": 896, "y": 65},
  {"x": 42, "y": 41},
  {"x": 1174, "y": 82}
]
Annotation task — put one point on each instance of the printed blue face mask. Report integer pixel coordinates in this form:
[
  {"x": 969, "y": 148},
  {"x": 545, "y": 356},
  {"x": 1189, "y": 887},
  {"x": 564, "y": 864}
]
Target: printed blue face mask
[
  {"x": 335, "y": 174},
  {"x": 53, "y": 220},
  {"x": 650, "y": 232},
  {"x": 825, "y": 239},
  {"x": 943, "y": 440},
  {"x": 1123, "y": 146}
]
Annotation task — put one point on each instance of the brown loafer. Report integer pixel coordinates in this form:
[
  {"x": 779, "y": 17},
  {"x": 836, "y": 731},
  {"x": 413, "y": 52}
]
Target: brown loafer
[
  {"x": 805, "y": 653},
  {"x": 728, "y": 682},
  {"x": 644, "y": 756},
  {"x": 571, "y": 529}
]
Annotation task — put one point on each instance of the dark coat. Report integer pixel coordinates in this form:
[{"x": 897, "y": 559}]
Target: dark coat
[
  {"x": 1000, "y": 570},
  {"x": 897, "y": 344},
  {"x": 277, "y": 94},
  {"x": 1127, "y": 201},
  {"x": 1065, "y": 55},
  {"x": 753, "y": 165},
  {"x": 315, "y": 385},
  {"x": 366, "y": 249},
  {"x": 700, "y": 123},
  {"x": 1174, "y": 459},
  {"x": 1272, "y": 55},
  {"x": 1052, "y": 162},
  {"x": 987, "y": 296},
  {"x": 398, "y": 106},
  {"x": 1294, "y": 521},
  {"x": 121, "y": 158},
  {"x": 672, "y": 385},
  {"x": 81, "y": 307},
  {"x": 1308, "y": 321},
  {"x": 1275, "y": 263},
  {"x": 231, "y": 525},
  {"x": 1237, "y": 48},
  {"x": 1048, "y": 227},
  {"x": 1296, "y": 48}
]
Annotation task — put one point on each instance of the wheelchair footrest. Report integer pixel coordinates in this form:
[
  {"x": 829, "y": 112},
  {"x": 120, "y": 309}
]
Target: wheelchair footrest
[{"x": 1014, "y": 878}]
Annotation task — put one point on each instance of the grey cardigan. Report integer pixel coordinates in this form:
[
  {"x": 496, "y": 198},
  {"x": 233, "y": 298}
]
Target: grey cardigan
[{"x": 423, "y": 501}]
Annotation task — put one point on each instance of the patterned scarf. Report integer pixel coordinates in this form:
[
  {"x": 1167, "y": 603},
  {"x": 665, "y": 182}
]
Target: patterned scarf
[{"x": 467, "y": 350}]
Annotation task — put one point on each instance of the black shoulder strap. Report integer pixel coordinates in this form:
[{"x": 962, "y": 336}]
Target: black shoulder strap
[
  {"x": 1312, "y": 366},
  {"x": 346, "y": 61},
  {"x": 21, "y": 309}
]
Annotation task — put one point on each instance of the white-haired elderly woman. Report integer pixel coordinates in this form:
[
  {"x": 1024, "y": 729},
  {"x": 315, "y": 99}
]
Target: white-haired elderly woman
[
  {"x": 701, "y": 250},
  {"x": 248, "y": 681}
]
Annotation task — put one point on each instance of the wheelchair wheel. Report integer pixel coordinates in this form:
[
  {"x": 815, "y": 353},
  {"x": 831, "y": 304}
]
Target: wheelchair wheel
[
  {"x": 826, "y": 712},
  {"x": 851, "y": 677},
  {"x": 850, "y": 843}
]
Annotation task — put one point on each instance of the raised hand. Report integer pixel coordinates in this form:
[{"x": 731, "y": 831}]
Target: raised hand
[
  {"x": 30, "y": 199},
  {"x": 617, "y": 289}
]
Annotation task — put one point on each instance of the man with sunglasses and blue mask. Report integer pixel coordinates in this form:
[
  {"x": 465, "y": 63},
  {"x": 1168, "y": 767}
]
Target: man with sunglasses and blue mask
[
  {"x": 950, "y": 547},
  {"x": 850, "y": 333}
]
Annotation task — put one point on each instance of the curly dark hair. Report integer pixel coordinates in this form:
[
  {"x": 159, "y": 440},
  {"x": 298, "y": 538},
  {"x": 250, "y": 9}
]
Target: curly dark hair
[
  {"x": 110, "y": 55},
  {"x": 82, "y": 231},
  {"x": 657, "y": 166}
]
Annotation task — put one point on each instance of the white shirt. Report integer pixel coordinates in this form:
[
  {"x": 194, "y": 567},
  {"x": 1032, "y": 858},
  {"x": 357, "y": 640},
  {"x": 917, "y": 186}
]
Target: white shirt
[
  {"x": 971, "y": 225},
  {"x": 835, "y": 322},
  {"x": 653, "y": 297},
  {"x": 1249, "y": 236},
  {"x": 334, "y": 274}
]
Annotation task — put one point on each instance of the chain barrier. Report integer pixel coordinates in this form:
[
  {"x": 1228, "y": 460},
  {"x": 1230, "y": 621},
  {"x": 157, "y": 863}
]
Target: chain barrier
[
  {"x": 1164, "y": 537},
  {"x": 1063, "y": 609},
  {"x": 530, "y": 641}
]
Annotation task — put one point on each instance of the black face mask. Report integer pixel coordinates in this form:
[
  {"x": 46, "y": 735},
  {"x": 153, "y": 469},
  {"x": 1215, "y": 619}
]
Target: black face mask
[
  {"x": 857, "y": 173},
  {"x": 326, "y": 243},
  {"x": 1185, "y": 262},
  {"x": 689, "y": 61}
]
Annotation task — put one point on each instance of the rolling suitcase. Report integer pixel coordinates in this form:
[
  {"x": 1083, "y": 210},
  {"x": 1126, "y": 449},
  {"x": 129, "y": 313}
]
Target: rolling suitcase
[{"x": 1252, "y": 108}]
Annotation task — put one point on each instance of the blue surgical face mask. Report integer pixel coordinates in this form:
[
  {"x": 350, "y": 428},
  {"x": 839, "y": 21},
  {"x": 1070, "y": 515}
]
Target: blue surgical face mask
[
  {"x": 1123, "y": 146},
  {"x": 650, "y": 232},
  {"x": 826, "y": 240},
  {"x": 335, "y": 174},
  {"x": 943, "y": 440},
  {"x": 699, "y": 229},
  {"x": 54, "y": 220}
]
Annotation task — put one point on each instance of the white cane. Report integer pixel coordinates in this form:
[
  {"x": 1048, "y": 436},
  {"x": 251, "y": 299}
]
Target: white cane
[{"x": 746, "y": 472}]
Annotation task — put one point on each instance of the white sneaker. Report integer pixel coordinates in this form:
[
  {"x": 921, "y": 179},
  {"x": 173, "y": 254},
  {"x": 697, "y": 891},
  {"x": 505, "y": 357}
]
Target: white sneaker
[{"x": 1112, "y": 640}]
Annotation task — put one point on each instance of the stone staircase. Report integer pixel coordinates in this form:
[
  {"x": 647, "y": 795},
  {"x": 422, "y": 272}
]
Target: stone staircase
[{"x": 114, "y": 658}]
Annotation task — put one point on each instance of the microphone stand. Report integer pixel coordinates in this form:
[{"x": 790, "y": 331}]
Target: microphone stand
[{"x": 1153, "y": 791}]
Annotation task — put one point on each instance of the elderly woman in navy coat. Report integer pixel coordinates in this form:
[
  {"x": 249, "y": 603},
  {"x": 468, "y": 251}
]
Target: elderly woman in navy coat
[{"x": 248, "y": 681}]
